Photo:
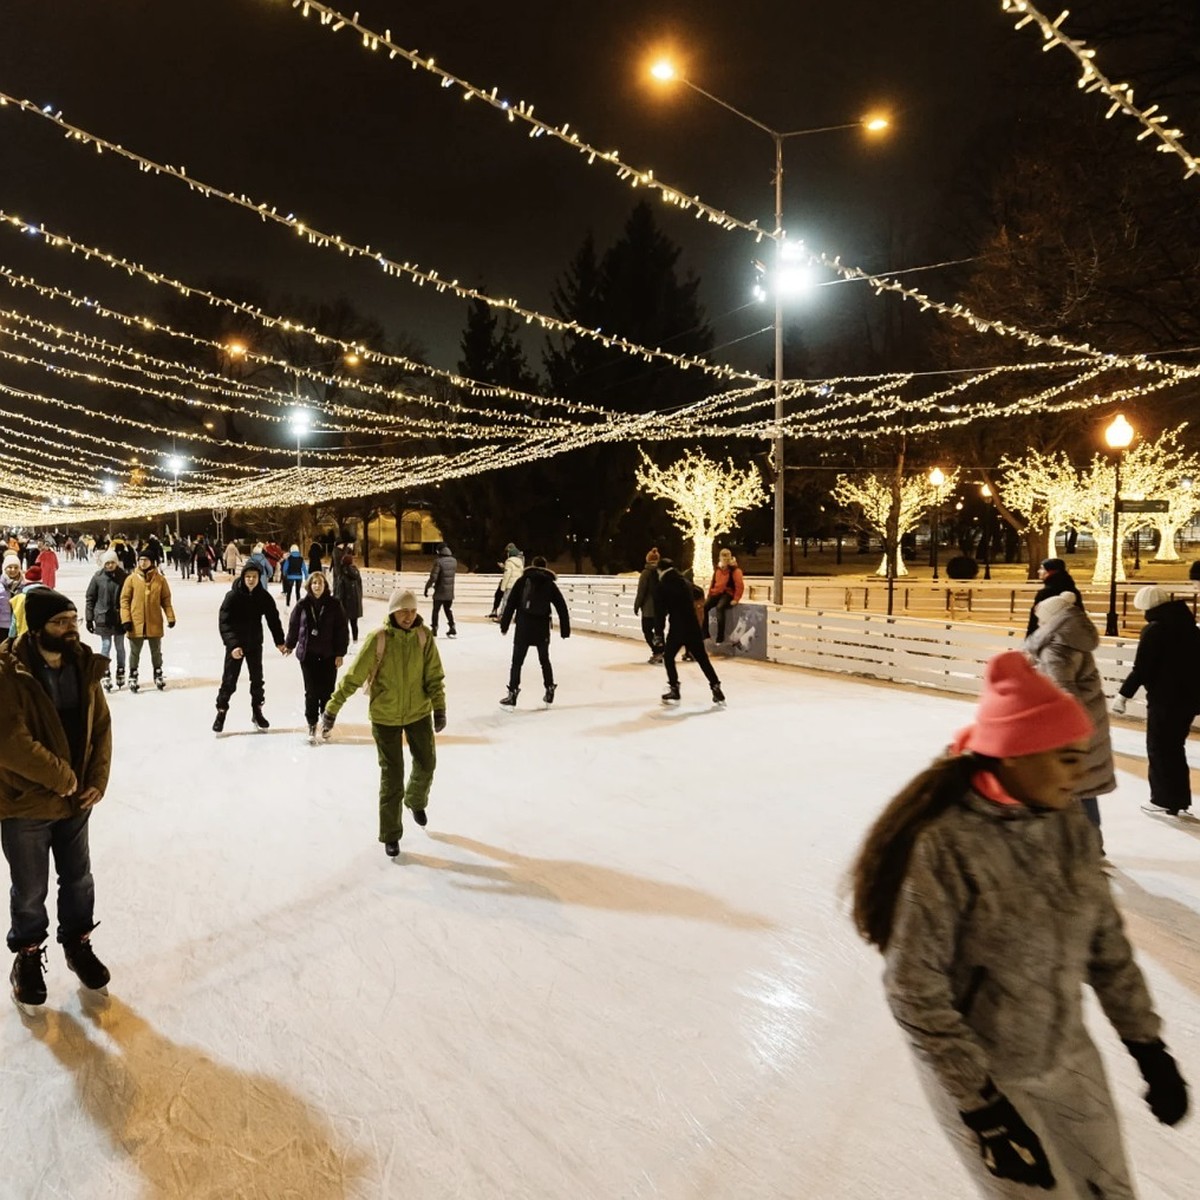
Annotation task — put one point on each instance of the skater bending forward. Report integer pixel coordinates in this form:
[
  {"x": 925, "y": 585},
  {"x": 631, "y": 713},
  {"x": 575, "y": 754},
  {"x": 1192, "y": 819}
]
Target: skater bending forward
[
  {"x": 676, "y": 600},
  {"x": 55, "y": 750},
  {"x": 981, "y": 884},
  {"x": 532, "y": 597},
  {"x": 402, "y": 673},
  {"x": 246, "y": 605}
]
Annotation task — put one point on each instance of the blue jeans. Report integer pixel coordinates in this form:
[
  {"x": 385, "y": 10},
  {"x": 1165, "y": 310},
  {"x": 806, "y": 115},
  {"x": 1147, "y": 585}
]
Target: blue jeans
[
  {"x": 106, "y": 641},
  {"x": 27, "y": 846}
]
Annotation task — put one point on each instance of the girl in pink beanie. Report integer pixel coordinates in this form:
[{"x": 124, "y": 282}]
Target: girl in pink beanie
[{"x": 981, "y": 885}]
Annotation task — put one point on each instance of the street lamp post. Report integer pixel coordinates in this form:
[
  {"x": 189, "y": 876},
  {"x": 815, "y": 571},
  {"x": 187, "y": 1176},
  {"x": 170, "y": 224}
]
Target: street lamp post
[
  {"x": 666, "y": 72},
  {"x": 1118, "y": 436},
  {"x": 937, "y": 479},
  {"x": 986, "y": 492},
  {"x": 175, "y": 465}
]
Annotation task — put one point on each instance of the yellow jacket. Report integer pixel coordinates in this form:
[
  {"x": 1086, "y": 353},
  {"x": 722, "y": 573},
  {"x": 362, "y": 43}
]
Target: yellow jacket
[{"x": 144, "y": 599}]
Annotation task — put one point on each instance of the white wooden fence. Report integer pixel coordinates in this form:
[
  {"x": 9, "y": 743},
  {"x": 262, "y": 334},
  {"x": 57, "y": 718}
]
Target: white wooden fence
[{"x": 942, "y": 655}]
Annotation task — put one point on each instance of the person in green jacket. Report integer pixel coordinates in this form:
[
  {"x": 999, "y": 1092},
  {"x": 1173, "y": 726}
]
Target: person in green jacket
[{"x": 402, "y": 672}]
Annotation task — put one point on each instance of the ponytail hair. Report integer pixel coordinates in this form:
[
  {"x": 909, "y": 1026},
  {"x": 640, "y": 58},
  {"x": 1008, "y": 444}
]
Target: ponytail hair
[{"x": 882, "y": 863}]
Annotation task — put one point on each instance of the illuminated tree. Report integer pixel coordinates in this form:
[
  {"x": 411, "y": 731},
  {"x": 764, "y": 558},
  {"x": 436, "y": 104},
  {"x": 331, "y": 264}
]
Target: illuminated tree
[
  {"x": 1041, "y": 488},
  {"x": 1175, "y": 475},
  {"x": 871, "y": 495},
  {"x": 706, "y": 499}
]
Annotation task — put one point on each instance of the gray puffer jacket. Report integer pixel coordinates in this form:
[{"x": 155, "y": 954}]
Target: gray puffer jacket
[
  {"x": 441, "y": 577},
  {"x": 1061, "y": 647},
  {"x": 1003, "y": 916}
]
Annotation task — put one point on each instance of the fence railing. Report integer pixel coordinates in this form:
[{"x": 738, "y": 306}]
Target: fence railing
[{"x": 943, "y": 655}]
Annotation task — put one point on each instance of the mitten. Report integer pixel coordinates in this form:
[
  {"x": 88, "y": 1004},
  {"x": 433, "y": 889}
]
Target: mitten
[
  {"x": 327, "y": 720},
  {"x": 1010, "y": 1149},
  {"x": 170, "y": 624},
  {"x": 439, "y": 720},
  {"x": 1118, "y": 705},
  {"x": 1166, "y": 1094},
  {"x": 127, "y": 627},
  {"x": 91, "y": 627}
]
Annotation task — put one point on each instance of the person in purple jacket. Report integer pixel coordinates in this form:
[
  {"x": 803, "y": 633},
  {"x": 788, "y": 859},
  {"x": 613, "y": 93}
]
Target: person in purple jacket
[{"x": 319, "y": 633}]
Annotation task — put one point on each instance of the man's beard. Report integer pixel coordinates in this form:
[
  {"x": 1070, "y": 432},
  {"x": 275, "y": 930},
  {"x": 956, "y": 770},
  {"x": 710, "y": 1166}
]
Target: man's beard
[{"x": 56, "y": 645}]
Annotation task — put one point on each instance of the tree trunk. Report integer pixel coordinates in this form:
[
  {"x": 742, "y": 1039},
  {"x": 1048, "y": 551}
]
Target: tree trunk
[
  {"x": 1166, "y": 541},
  {"x": 1036, "y": 543},
  {"x": 399, "y": 504}
]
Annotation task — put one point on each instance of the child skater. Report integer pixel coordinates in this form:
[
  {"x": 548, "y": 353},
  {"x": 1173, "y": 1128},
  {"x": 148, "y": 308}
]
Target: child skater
[{"x": 981, "y": 884}]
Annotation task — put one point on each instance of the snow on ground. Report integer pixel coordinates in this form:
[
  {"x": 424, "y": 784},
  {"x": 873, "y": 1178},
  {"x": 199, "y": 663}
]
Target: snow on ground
[{"x": 616, "y": 964}]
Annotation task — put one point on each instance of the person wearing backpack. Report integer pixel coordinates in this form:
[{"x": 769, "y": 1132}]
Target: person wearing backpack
[
  {"x": 529, "y": 602},
  {"x": 401, "y": 670}
]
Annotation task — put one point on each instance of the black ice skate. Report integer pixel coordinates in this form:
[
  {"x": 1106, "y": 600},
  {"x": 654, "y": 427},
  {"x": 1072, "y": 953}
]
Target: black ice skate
[
  {"x": 159, "y": 681},
  {"x": 107, "y": 681},
  {"x": 548, "y": 697},
  {"x": 718, "y": 695},
  {"x": 258, "y": 720},
  {"x": 391, "y": 849},
  {"x": 510, "y": 701},
  {"x": 219, "y": 722},
  {"x": 120, "y": 678},
  {"x": 451, "y": 632},
  {"x": 81, "y": 958},
  {"x": 420, "y": 817},
  {"x": 671, "y": 695},
  {"x": 133, "y": 683},
  {"x": 28, "y": 980}
]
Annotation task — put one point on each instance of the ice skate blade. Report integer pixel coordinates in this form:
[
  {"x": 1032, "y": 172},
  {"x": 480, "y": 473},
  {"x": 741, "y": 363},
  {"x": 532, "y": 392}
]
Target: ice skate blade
[
  {"x": 1154, "y": 810},
  {"x": 30, "y": 1012}
]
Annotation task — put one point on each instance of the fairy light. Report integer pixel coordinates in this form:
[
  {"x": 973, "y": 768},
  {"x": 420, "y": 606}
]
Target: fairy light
[
  {"x": 1154, "y": 122},
  {"x": 391, "y": 267},
  {"x": 520, "y": 111}
]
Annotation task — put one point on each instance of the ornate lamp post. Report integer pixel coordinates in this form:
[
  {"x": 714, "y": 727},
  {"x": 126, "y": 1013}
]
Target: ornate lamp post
[
  {"x": 937, "y": 478},
  {"x": 1118, "y": 436}
]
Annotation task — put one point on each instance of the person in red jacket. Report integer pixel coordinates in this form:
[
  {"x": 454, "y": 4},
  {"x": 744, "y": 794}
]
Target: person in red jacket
[
  {"x": 726, "y": 588},
  {"x": 48, "y": 561}
]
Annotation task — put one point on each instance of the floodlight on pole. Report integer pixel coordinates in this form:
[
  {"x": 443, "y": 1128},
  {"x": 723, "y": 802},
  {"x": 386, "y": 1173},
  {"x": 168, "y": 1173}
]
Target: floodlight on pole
[{"x": 300, "y": 419}]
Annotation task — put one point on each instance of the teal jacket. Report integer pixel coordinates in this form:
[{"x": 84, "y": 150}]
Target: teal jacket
[{"x": 410, "y": 683}]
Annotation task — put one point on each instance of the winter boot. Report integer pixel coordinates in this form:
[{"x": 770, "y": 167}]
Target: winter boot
[
  {"x": 133, "y": 683},
  {"x": 120, "y": 678},
  {"x": 107, "y": 681},
  {"x": 28, "y": 979},
  {"x": 257, "y": 719},
  {"x": 451, "y": 632},
  {"x": 718, "y": 695},
  {"x": 159, "y": 681},
  {"x": 219, "y": 723},
  {"x": 510, "y": 701},
  {"x": 420, "y": 817},
  {"x": 671, "y": 695},
  {"x": 312, "y": 735},
  {"x": 548, "y": 698},
  {"x": 391, "y": 849},
  {"x": 81, "y": 958}
]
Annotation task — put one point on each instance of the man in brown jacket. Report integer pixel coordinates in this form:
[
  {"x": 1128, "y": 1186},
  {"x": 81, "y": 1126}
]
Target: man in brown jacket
[
  {"x": 55, "y": 752},
  {"x": 145, "y": 597}
]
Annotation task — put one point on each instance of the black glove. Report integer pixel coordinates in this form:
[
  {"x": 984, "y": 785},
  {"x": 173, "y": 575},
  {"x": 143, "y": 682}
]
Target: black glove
[
  {"x": 426, "y": 593},
  {"x": 1167, "y": 1093},
  {"x": 91, "y": 627},
  {"x": 439, "y": 720},
  {"x": 1010, "y": 1149},
  {"x": 127, "y": 627},
  {"x": 566, "y": 633},
  {"x": 170, "y": 624}
]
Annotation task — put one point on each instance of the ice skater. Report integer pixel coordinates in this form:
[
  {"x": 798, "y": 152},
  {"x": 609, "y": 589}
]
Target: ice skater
[
  {"x": 319, "y": 635},
  {"x": 246, "y": 606},
  {"x": 441, "y": 579},
  {"x": 294, "y": 570},
  {"x": 981, "y": 885},
  {"x": 532, "y": 597},
  {"x": 348, "y": 588},
  {"x": 103, "y": 614},
  {"x": 55, "y": 751},
  {"x": 402, "y": 671},
  {"x": 145, "y": 597},
  {"x": 653, "y": 621},
  {"x": 1167, "y": 665},
  {"x": 676, "y": 597}
]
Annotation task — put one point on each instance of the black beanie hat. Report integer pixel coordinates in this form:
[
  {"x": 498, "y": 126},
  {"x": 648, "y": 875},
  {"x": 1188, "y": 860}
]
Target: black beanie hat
[
  {"x": 1053, "y": 564},
  {"x": 44, "y": 604}
]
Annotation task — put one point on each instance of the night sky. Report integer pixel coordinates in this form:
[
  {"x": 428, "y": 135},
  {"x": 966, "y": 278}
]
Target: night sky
[{"x": 248, "y": 95}]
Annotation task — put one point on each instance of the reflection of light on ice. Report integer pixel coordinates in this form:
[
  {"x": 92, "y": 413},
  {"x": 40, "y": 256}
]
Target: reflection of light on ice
[{"x": 779, "y": 1027}]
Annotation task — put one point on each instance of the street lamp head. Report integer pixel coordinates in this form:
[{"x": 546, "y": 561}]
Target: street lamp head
[
  {"x": 235, "y": 349},
  {"x": 352, "y": 359},
  {"x": 108, "y": 487},
  {"x": 300, "y": 420},
  {"x": 876, "y": 124},
  {"x": 175, "y": 464},
  {"x": 1120, "y": 433},
  {"x": 937, "y": 477},
  {"x": 664, "y": 71},
  {"x": 985, "y": 492}
]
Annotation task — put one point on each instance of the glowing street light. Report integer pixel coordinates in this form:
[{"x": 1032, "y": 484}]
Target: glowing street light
[
  {"x": 987, "y": 494},
  {"x": 1118, "y": 436},
  {"x": 937, "y": 479},
  {"x": 790, "y": 280},
  {"x": 175, "y": 465},
  {"x": 300, "y": 419}
]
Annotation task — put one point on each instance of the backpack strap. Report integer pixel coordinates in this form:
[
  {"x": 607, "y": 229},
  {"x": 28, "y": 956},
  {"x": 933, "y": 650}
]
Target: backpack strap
[{"x": 380, "y": 647}]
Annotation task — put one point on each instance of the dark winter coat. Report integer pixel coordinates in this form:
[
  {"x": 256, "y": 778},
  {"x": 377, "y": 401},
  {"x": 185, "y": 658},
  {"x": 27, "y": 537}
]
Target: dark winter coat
[
  {"x": 242, "y": 613},
  {"x": 530, "y": 601},
  {"x": 676, "y": 599},
  {"x": 35, "y": 754},
  {"x": 154, "y": 551},
  {"x": 294, "y": 566},
  {"x": 319, "y": 628},
  {"x": 315, "y": 558},
  {"x": 647, "y": 589},
  {"x": 441, "y": 577},
  {"x": 1167, "y": 663},
  {"x": 348, "y": 587},
  {"x": 203, "y": 556},
  {"x": 103, "y": 610},
  {"x": 1054, "y": 584}
]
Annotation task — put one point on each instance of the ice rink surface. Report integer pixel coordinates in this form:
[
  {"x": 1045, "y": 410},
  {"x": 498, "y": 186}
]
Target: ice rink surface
[{"x": 616, "y": 964}]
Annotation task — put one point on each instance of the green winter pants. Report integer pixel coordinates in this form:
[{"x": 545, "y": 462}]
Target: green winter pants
[
  {"x": 135, "y": 653},
  {"x": 393, "y": 795}
]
